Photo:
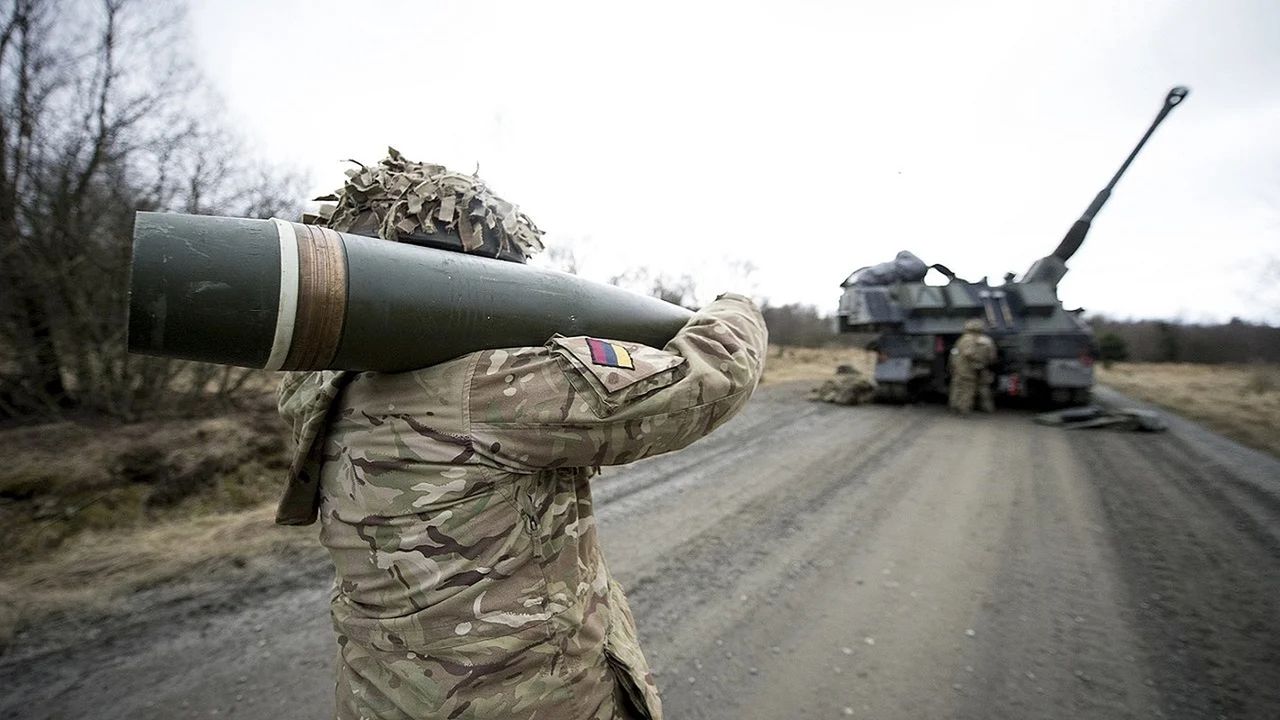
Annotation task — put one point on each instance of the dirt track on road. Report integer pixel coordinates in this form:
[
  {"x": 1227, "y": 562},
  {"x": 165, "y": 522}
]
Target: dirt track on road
[{"x": 820, "y": 561}]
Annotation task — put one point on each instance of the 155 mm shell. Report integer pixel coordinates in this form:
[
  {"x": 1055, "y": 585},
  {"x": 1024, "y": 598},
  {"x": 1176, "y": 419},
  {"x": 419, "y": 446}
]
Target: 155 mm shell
[{"x": 287, "y": 296}]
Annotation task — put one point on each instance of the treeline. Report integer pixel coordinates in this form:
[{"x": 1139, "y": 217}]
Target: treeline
[
  {"x": 1138, "y": 340},
  {"x": 1161, "y": 341},
  {"x": 101, "y": 116},
  {"x": 798, "y": 325}
]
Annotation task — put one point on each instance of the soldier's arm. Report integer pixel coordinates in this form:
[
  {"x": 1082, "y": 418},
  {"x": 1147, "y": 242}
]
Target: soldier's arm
[
  {"x": 588, "y": 402},
  {"x": 988, "y": 351}
]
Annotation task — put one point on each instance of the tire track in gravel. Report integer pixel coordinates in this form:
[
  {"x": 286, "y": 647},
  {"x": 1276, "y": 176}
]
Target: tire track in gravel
[
  {"x": 724, "y": 448},
  {"x": 754, "y": 530},
  {"x": 959, "y": 569},
  {"x": 1202, "y": 571},
  {"x": 749, "y": 561},
  {"x": 1056, "y": 626},
  {"x": 1251, "y": 509}
]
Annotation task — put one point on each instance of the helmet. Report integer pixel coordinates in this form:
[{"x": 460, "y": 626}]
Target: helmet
[
  {"x": 974, "y": 325},
  {"x": 424, "y": 204}
]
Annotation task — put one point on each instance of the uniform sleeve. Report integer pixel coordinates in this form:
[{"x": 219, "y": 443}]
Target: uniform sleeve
[
  {"x": 987, "y": 351},
  {"x": 588, "y": 402}
]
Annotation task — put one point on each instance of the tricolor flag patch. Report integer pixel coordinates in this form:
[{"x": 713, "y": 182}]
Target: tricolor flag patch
[{"x": 609, "y": 354}]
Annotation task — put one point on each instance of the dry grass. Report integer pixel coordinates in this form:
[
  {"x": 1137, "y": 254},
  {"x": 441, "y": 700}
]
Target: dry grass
[
  {"x": 786, "y": 364},
  {"x": 92, "y": 512},
  {"x": 92, "y": 572},
  {"x": 1239, "y": 401},
  {"x": 58, "y": 481}
]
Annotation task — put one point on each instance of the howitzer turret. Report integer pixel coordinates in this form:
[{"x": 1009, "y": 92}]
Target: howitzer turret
[{"x": 1045, "y": 351}]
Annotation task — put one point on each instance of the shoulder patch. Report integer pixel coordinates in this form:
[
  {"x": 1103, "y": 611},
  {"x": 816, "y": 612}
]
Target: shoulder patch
[
  {"x": 606, "y": 383},
  {"x": 608, "y": 354}
]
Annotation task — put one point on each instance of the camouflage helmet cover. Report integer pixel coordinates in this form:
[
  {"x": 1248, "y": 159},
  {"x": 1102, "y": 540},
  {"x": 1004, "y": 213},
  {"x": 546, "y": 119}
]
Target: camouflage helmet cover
[
  {"x": 974, "y": 325},
  {"x": 425, "y": 204}
]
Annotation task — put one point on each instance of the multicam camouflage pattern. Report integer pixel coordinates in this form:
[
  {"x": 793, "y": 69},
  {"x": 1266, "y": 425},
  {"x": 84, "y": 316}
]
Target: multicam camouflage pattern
[
  {"x": 398, "y": 199},
  {"x": 456, "y": 505},
  {"x": 970, "y": 361},
  {"x": 848, "y": 387}
]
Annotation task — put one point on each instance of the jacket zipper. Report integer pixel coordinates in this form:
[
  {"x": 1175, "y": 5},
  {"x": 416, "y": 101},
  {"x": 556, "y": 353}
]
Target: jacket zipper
[{"x": 531, "y": 522}]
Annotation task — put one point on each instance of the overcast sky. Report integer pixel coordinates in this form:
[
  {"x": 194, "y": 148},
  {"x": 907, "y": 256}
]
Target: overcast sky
[{"x": 807, "y": 138}]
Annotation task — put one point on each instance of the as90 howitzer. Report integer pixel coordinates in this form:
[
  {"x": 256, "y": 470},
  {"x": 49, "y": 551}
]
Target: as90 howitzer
[{"x": 1046, "y": 352}]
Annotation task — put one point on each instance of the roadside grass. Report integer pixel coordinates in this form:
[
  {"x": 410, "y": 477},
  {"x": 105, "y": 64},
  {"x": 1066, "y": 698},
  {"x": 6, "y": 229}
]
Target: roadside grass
[
  {"x": 1241, "y": 402},
  {"x": 62, "y": 479},
  {"x": 91, "y": 512},
  {"x": 787, "y": 364},
  {"x": 97, "y": 570}
]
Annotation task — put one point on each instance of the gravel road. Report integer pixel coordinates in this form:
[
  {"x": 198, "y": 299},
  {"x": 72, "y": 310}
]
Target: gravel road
[{"x": 813, "y": 561}]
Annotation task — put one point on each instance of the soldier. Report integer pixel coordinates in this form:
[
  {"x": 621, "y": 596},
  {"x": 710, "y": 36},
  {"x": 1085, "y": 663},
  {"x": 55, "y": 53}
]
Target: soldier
[
  {"x": 848, "y": 387},
  {"x": 455, "y": 499},
  {"x": 970, "y": 364}
]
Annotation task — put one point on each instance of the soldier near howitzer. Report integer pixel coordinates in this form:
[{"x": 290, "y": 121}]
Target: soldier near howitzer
[
  {"x": 848, "y": 387},
  {"x": 455, "y": 500},
  {"x": 970, "y": 364}
]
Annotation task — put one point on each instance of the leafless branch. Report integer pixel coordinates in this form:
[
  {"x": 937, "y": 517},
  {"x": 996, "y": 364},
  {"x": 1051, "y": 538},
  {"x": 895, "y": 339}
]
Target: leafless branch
[{"x": 89, "y": 133}]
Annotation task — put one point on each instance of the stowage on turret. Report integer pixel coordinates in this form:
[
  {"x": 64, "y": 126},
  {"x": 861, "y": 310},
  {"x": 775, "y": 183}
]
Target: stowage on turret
[{"x": 1046, "y": 353}]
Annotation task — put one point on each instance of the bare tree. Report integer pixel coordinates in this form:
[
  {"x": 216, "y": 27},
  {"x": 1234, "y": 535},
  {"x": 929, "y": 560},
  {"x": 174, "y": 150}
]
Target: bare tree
[
  {"x": 100, "y": 116},
  {"x": 798, "y": 325},
  {"x": 677, "y": 289},
  {"x": 1237, "y": 341},
  {"x": 563, "y": 258}
]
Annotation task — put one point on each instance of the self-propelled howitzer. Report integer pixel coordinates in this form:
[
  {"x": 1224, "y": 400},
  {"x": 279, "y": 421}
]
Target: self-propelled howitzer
[{"x": 1046, "y": 352}]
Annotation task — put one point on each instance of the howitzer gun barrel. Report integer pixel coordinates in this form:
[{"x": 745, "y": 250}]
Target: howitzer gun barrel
[
  {"x": 1075, "y": 236},
  {"x": 286, "y": 296}
]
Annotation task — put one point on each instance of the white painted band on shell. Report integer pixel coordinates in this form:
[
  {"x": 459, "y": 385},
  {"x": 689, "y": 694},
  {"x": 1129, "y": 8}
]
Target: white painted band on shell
[{"x": 287, "y": 311}]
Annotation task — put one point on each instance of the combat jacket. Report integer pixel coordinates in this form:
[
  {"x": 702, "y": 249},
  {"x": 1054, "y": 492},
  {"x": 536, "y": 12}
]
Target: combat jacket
[
  {"x": 455, "y": 503},
  {"x": 972, "y": 353}
]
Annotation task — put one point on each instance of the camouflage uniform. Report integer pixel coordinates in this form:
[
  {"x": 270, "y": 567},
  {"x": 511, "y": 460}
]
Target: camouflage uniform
[
  {"x": 455, "y": 504},
  {"x": 970, "y": 361},
  {"x": 849, "y": 387}
]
